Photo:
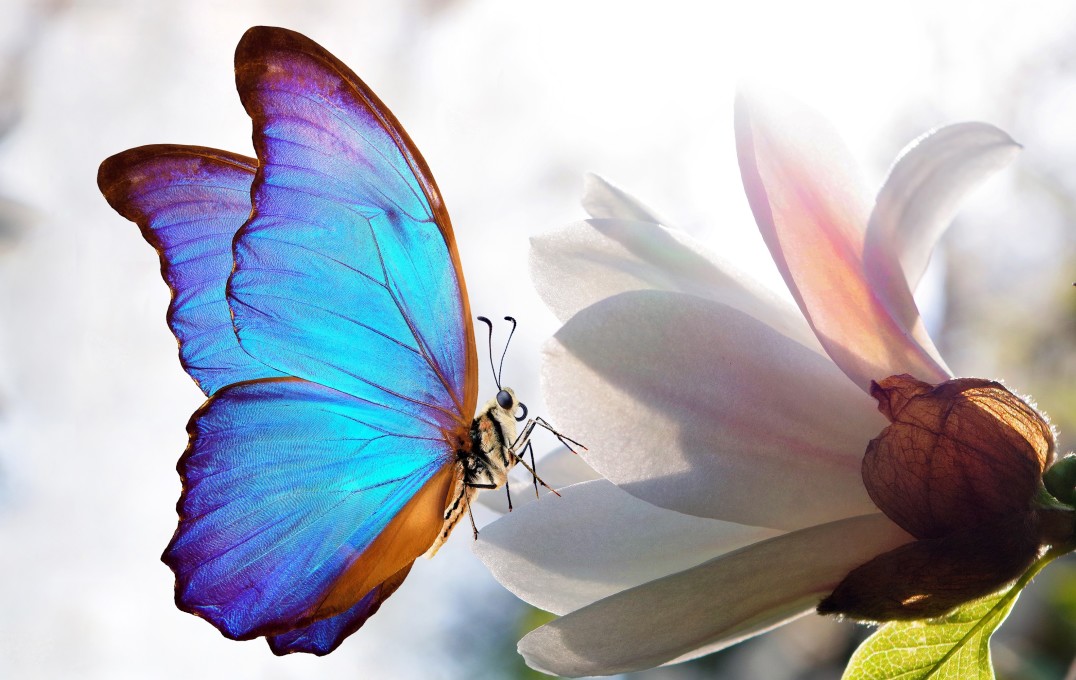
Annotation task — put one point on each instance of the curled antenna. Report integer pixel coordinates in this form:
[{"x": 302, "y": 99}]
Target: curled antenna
[
  {"x": 489, "y": 324},
  {"x": 510, "y": 333}
]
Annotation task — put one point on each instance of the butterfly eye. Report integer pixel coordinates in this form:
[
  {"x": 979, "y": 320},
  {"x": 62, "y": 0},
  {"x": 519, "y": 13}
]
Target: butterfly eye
[
  {"x": 504, "y": 400},
  {"x": 521, "y": 418}
]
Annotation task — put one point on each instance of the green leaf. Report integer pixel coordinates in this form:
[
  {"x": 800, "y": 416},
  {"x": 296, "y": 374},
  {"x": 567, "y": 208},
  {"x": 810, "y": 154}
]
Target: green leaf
[{"x": 952, "y": 647}]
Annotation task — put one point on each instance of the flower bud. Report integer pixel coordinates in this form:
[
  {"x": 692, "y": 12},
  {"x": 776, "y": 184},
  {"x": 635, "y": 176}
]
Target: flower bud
[
  {"x": 959, "y": 468},
  {"x": 960, "y": 454}
]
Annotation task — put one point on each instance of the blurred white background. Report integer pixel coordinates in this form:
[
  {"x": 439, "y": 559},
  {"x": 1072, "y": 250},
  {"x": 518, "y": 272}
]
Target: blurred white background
[{"x": 510, "y": 104}]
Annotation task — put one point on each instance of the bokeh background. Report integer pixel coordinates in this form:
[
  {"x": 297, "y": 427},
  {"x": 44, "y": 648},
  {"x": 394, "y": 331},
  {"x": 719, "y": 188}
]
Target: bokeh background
[{"x": 510, "y": 103}]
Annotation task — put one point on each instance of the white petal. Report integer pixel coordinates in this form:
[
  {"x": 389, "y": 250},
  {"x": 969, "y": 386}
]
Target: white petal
[
  {"x": 700, "y": 408},
  {"x": 559, "y": 468},
  {"x": 925, "y": 187},
  {"x": 806, "y": 196},
  {"x": 589, "y": 261},
  {"x": 595, "y": 540},
  {"x": 602, "y": 199},
  {"x": 715, "y": 604}
]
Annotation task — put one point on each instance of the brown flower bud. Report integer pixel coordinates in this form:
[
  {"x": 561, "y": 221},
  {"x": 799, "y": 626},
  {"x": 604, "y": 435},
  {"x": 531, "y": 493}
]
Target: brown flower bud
[
  {"x": 958, "y": 468},
  {"x": 961, "y": 454}
]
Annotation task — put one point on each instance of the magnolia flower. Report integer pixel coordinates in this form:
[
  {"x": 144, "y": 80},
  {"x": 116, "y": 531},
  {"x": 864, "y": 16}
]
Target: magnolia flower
[{"x": 728, "y": 425}]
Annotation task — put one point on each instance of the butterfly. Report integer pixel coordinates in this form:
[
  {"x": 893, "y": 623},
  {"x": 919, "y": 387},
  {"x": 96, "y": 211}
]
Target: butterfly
[{"x": 319, "y": 302}]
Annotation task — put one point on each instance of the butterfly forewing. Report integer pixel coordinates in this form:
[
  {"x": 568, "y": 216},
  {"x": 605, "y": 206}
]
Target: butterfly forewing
[{"x": 346, "y": 273}]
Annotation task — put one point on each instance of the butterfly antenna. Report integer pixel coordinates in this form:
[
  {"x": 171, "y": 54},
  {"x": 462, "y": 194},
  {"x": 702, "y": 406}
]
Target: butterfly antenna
[
  {"x": 489, "y": 324},
  {"x": 501, "y": 367}
]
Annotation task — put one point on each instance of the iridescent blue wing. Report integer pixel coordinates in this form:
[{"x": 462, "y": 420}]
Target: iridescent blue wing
[
  {"x": 305, "y": 498},
  {"x": 347, "y": 273},
  {"x": 189, "y": 201},
  {"x": 322, "y": 637},
  {"x": 300, "y": 500}
]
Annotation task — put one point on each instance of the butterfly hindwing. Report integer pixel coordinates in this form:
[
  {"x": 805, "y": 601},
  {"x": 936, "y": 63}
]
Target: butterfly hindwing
[
  {"x": 286, "y": 484},
  {"x": 189, "y": 202},
  {"x": 325, "y": 635}
]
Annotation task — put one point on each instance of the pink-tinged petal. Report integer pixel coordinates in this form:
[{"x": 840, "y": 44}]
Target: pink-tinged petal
[
  {"x": 589, "y": 261},
  {"x": 702, "y": 409},
  {"x": 710, "y": 606},
  {"x": 812, "y": 212},
  {"x": 922, "y": 193},
  {"x": 559, "y": 468},
  {"x": 596, "y": 540}
]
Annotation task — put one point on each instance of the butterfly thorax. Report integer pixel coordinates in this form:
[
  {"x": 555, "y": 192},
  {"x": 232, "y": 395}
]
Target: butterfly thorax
[
  {"x": 489, "y": 457},
  {"x": 483, "y": 460}
]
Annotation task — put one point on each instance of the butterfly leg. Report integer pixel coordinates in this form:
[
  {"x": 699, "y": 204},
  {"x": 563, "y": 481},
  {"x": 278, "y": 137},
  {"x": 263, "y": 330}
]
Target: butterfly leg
[
  {"x": 537, "y": 479},
  {"x": 523, "y": 444},
  {"x": 567, "y": 441},
  {"x": 470, "y": 514},
  {"x": 528, "y": 429},
  {"x": 534, "y": 466},
  {"x": 524, "y": 436},
  {"x": 491, "y": 486}
]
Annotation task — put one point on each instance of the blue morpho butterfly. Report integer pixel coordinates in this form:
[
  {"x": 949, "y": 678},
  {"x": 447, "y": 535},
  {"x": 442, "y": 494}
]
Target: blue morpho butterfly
[{"x": 318, "y": 301}]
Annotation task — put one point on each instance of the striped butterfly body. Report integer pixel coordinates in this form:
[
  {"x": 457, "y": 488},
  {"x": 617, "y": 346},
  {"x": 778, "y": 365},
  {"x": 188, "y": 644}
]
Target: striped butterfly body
[
  {"x": 319, "y": 303},
  {"x": 485, "y": 458}
]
